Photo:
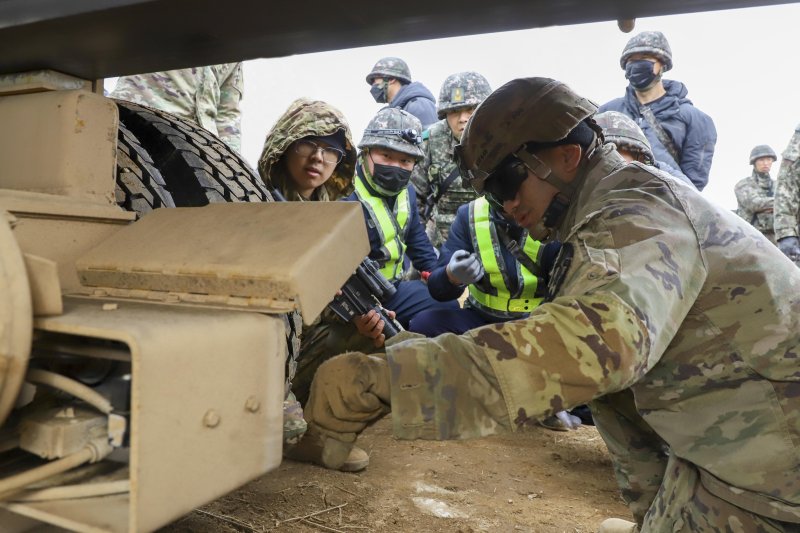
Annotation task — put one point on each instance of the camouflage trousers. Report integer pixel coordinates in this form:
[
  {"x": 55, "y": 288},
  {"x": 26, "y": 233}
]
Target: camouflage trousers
[
  {"x": 352, "y": 391},
  {"x": 664, "y": 492},
  {"x": 319, "y": 342}
]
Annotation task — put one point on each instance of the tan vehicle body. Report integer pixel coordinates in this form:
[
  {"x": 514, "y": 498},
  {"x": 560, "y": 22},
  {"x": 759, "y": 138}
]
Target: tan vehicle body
[
  {"x": 195, "y": 323},
  {"x": 191, "y": 331}
]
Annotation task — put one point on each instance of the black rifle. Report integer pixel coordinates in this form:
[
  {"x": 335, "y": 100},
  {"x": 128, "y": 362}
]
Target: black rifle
[{"x": 365, "y": 290}]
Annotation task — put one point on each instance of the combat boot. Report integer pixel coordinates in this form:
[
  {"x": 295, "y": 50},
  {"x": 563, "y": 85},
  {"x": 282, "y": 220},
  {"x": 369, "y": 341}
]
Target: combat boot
[
  {"x": 617, "y": 525},
  {"x": 327, "y": 452}
]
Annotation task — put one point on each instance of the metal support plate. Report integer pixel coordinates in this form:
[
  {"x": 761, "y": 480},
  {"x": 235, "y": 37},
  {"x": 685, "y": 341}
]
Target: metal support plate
[
  {"x": 207, "y": 396},
  {"x": 295, "y": 254}
]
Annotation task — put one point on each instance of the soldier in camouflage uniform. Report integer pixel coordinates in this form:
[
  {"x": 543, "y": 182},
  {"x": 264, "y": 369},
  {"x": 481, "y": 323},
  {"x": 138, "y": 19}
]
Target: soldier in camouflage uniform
[
  {"x": 209, "y": 96},
  {"x": 679, "y": 321},
  {"x": 755, "y": 193},
  {"x": 309, "y": 155},
  {"x": 787, "y": 200},
  {"x": 439, "y": 187}
]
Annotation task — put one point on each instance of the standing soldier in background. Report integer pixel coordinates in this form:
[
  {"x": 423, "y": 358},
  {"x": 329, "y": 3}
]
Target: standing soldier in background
[
  {"x": 680, "y": 135},
  {"x": 787, "y": 200},
  {"x": 209, "y": 96},
  {"x": 390, "y": 83},
  {"x": 436, "y": 178},
  {"x": 756, "y": 192}
]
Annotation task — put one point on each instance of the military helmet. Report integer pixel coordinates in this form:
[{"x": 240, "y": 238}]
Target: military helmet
[
  {"x": 762, "y": 150},
  {"x": 539, "y": 110},
  {"x": 464, "y": 89},
  {"x": 648, "y": 42},
  {"x": 390, "y": 67},
  {"x": 621, "y": 130},
  {"x": 395, "y": 129}
]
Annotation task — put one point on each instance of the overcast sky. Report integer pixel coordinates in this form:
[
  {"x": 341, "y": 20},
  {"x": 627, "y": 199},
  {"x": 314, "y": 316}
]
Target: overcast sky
[{"x": 739, "y": 67}]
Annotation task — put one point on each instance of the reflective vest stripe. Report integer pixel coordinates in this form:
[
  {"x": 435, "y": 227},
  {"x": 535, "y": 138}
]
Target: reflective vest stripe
[
  {"x": 391, "y": 226},
  {"x": 488, "y": 250}
]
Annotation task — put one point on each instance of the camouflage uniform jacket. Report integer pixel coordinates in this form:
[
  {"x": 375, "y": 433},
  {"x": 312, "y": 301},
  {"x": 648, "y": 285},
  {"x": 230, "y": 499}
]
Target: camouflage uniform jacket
[
  {"x": 755, "y": 195},
  {"x": 680, "y": 302},
  {"x": 307, "y": 118},
  {"x": 787, "y": 192},
  {"x": 430, "y": 173},
  {"x": 209, "y": 96}
]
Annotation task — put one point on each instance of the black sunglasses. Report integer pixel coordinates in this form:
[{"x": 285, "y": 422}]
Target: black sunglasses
[{"x": 503, "y": 184}]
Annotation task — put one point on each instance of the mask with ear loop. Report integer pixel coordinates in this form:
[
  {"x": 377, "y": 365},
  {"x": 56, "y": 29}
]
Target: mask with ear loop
[{"x": 379, "y": 91}]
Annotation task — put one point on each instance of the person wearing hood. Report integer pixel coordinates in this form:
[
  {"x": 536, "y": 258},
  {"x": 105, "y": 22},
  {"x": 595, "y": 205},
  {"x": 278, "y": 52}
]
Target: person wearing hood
[
  {"x": 755, "y": 194},
  {"x": 389, "y": 150},
  {"x": 390, "y": 83},
  {"x": 680, "y": 135},
  {"x": 309, "y": 155}
]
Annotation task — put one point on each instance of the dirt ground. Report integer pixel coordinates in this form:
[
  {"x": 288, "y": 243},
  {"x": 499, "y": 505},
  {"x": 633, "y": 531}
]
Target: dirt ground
[{"x": 536, "y": 480}]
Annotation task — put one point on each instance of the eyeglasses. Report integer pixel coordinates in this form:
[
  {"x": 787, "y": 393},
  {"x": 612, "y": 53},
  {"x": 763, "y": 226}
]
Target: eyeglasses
[
  {"x": 503, "y": 184},
  {"x": 409, "y": 135},
  {"x": 330, "y": 156}
]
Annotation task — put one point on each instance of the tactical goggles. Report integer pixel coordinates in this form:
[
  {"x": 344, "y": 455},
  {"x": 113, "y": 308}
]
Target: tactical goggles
[{"x": 409, "y": 135}]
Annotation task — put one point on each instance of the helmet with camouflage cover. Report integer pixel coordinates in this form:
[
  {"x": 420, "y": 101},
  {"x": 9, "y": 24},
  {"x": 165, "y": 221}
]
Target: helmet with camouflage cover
[
  {"x": 648, "y": 42},
  {"x": 395, "y": 129},
  {"x": 390, "y": 67},
  {"x": 621, "y": 130},
  {"x": 461, "y": 90},
  {"x": 525, "y": 110},
  {"x": 762, "y": 150}
]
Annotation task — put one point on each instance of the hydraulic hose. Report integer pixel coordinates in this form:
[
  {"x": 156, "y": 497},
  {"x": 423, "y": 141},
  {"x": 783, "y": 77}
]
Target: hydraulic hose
[
  {"x": 70, "y": 386},
  {"x": 92, "y": 452},
  {"x": 67, "y": 492}
]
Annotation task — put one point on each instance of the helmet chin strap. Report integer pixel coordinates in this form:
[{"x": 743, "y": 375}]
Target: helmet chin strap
[{"x": 560, "y": 203}]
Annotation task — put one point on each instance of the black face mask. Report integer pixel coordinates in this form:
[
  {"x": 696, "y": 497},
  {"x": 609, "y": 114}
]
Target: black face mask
[
  {"x": 640, "y": 73},
  {"x": 390, "y": 179},
  {"x": 378, "y": 92}
]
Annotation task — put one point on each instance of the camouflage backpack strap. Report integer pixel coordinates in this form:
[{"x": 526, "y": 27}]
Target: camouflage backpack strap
[
  {"x": 661, "y": 134},
  {"x": 448, "y": 181}
]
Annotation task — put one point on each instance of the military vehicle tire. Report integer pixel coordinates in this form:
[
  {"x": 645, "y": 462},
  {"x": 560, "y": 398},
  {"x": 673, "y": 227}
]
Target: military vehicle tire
[
  {"x": 140, "y": 187},
  {"x": 198, "y": 168}
]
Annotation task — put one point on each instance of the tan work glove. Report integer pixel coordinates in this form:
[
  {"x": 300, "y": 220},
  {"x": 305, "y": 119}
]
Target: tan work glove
[{"x": 349, "y": 392}]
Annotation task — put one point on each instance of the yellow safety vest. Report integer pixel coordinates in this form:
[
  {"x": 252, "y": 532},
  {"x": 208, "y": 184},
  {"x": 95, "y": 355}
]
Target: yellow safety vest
[
  {"x": 391, "y": 226},
  {"x": 489, "y": 248}
]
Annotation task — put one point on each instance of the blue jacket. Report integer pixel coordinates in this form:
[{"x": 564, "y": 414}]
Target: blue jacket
[
  {"x": 418, "y": 247},
  {"x": 417, "y": 100},
  {"x": 691, "y": 130},
  {"x": 459, "y": 238}
]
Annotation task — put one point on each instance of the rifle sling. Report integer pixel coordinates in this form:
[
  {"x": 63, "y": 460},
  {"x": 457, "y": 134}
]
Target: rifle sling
[
  {"x": 448, "y": 181},
  {"x": 661, "y": 134}
]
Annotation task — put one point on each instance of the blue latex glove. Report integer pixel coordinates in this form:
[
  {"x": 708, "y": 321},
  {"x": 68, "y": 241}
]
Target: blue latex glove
[{"x": 464, "y": 268}]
